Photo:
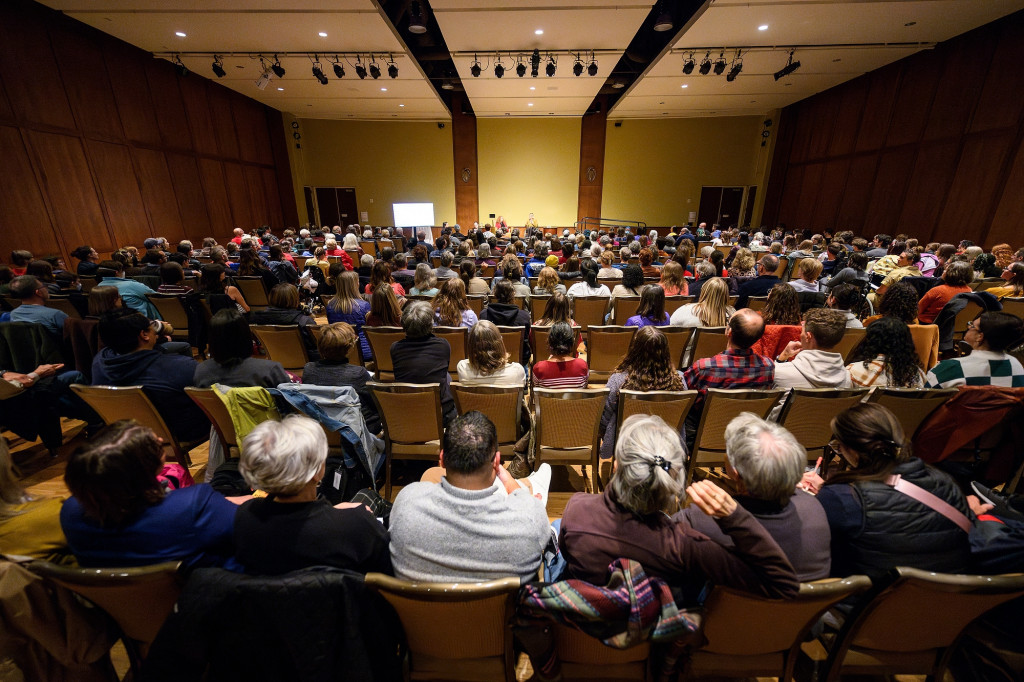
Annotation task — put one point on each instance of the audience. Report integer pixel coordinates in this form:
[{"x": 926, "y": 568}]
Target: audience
[
  {"x": 451, "y": 307},
  {"x": 33, "y": 295},
  {"x": 651, "y": 310},
  {"x": 955, "y": 278},
  {"x": 812, "y": 362},
  {"x": 712, "y": 308},
  {"x": 349, "y": 307},
  {"x": 562, "y": 369},
  {"x": 765, "y": 463},
  {"x": 631, "y": 520},
  {"x": 231, "y": 362},
  {"x": 761, "y": 284},
  {"x": 421, "y": 357},
  {"x": 487, "y": 360},
  {"x": 292, "y": 528},
  {"x": 132, "y": 293},
  {"x": 285, "y": 309}
]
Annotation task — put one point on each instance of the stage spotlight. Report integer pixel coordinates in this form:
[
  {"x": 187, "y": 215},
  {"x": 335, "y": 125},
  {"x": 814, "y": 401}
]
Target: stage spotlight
[
  {"x": 475, "y": 68},
  {"x": 277, "y": 68},
  {"x": 789, "y": 68},
  {"x": 720, "y": 64},
  {"x": 360, "y": 69},
  {"x": 577, "y": 68},
  {"x": 318, "y": 73},
  {"x": 392, "y": 70},
  {"x": 737, "y": 66},
  {"x": 179, "y": 67},
  {"x": 705, "y": 65},
  {"x": 218, "y": 67},
  {"x": 550, "y": 68},
  {"x": 520, "y": 68},
  {"x": 688, "y": 64},
  {"x": 663, "y": 22},
  {"x": 374, "y": 70},
  {"x": 535, "y": 63},
  {"x": 592, "y": 67},
  {"x": 417, "y": 24},
  {"x": 499, "y": 70},
  {"x": 339, "y": 70}
]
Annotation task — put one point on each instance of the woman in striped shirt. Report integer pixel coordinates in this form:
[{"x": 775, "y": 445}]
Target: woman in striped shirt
[{"x": 561, "y": 369}]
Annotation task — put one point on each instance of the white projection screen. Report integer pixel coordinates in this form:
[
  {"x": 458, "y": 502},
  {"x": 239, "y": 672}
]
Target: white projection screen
[{"x": 413, "y": 215}]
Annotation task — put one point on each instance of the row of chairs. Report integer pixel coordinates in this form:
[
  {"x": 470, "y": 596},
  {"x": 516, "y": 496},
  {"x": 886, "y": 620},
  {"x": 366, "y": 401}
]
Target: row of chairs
[{"x": 464, "y": 630}]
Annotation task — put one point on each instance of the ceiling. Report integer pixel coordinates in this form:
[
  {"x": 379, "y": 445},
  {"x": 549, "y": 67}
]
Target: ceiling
[{"x": 834, "y": 41}]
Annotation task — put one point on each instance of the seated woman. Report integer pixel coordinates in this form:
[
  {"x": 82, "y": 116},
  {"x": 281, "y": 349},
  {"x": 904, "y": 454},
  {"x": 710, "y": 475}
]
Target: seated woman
[
  {"x": 647, "y": 266},
  {"x": 955, "y": 278},
  {"x": 712, "y": 309},
  {"x": 562, "y": 369},
  {"x": 631, "y": 519},
  {"x": 120, "y": 515},
  {"x": 651, "y": 311},
  {"x": 231, "y": 362},
  {"x": 349, "y": 307},
  {"x": 548, "y": 283},
  {"x": 284, "y": 309},
  {"x": 807, "y": 272},
  {"x": 334, "y": 369},
  {"x": 216, "y": 291},
  {"x": 291, "y": 529},
  {"x": 474, "y": 286},
  {"x": 570, "y": 269},
  {"x": 647, "y": 366},
  {"x": 451, "y": 307},
  {"x": 673, "y": 278},
  {"x": 28, "y": 526},
  {"x": 1013, "y": 275},
  {"x": 589, "y": 286},
  {"x": 385, "y": 309},
  {"x": 901, "y": 301},
  {"x": 632, "y": 284},
  {"x": 886, "y": 357},
  {"x": 607, "y": 271},
  {"x": 782, "y": 306},
  {"x": 855, "y": 271},
  {"x": 875, "y": 526},
  {"x": 845, "y": 298},
  {"x": 381, "y": 274},
  {"x": 486, "y": 361},
  {"x": 425, "y": 281}
]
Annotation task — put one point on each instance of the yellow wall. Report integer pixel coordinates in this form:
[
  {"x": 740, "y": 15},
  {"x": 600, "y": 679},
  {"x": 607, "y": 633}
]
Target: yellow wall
[
  {"x": 654, "y": 169},
  {"x": 407, "y": 162},
  {"x": 528, "y": 166}
]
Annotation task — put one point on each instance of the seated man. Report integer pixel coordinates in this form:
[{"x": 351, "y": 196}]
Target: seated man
[
  {"x": 421, "y": 357},
  {"x": 133, "y": 294},
  {"x": 989, "y": 336},
  {"x": 130, "y": 359},
  {"x": 737, "y": 366},
  {"x": 33, "y": 295},
  {"x": 463, "y": 528},
  {"x": 760, "y": 285},
  {"x": 815, "y": 364},
  {"x": 766, "y": 463}
]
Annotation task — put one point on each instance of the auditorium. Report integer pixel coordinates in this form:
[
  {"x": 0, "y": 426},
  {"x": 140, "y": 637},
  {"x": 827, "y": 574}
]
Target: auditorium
[{"x": 481, "y": 340}]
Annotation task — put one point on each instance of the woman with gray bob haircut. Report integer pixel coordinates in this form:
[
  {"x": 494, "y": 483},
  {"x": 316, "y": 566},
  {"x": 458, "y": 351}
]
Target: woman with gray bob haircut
[
  {"x": 650, "y": 466},
  {"x": 291, "y": 528},
  {"x": 767, "y": 459}
]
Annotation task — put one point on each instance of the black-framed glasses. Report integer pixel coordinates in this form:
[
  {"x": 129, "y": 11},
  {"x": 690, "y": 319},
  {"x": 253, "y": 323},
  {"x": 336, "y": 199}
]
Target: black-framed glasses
[{"x": 834, "y": 445}]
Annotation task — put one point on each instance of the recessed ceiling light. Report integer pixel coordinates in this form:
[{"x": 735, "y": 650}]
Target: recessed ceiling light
[
  {"x": 539, "y": 32},
  {"x": 529, "y": 104},
  {"x": 401, "y": 105},
  {"x": 280, "y": 89},
  {"x": 383, "y": 89},
  {"x": 685, "y": 85},
  {"x": 618, "y": 85},
  {"x": 532, "y": 88},
  {"x": 322, "y": 34},
  {"x": 762, "y": 27},
  {"x": 180, "y": 34}
]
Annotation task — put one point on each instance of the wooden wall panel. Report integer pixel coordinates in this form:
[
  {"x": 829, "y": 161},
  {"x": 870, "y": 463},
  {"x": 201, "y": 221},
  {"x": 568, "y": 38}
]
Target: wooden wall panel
[
  {"x": 30, "y": 71},
  {"x": 217, "y": 207},
  {"x": 973, "y": 190},
  {"x": 188, "y": 189},
  {"x": 264, "y": 147},
  {"x": 6, "y": 113},
  {"x": 467, "y": 197},
  {"x": 257, "y": 200},
  {"x": 23, "y": 202},
  {"x": 197, "y": 106},
  {"x": 238, "y": 195},
  {"x": 847, "y": 121},
  {"x": 119, "y": 188},
  {"x": 85, "y": 81},
  {"x": 131, "y": 93},
  {"x": 1009, "y": 214},
  {"x": 928, "y": 145},
  {"x": 878, "y": 108},
  {"x": 929, "y": 181},
  {"x": 593, "y": 130},
  {"x": 69, "y": 188},
  {"x": 170, "y": 111},
  {"x": 158, "y": 193},
  {"x": 246, "y": 123},
  {"x": 223, "y": 122},
  {"x": 272, "y": 195}
]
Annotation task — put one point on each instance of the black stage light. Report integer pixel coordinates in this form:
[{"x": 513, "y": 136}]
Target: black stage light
[
  {"x": 179, "y": 67},
  {"x": 374, "y": 70},
  {"x": 789, "y": 68},
  {"x": 339, "y": 70},
  {"x": 277, "y": 68},
  {"x": 720, "y": 64},
  {"x": 360, "y": 69},
  {"x": 218, "y": 67},
  {"x": 499, "y": 70},
  {"x": 520, "y": 69},
  {"x": 705, "y": 65},
  {"x": 318, "y": 73},
  {"x": 688, "y": 65},
  {"x": 737, "y": 66},
  {"x": 577, "y": 68},
  {"x": 475, "y": 69},
  {"x": 535, "y": 63},
  {"x": 550, "y": 68},
  {"x": 592, "y": 69},
  {"x": 392, "y": 70}
]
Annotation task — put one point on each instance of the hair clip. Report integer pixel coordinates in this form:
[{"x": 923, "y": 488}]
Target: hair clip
[{"x": 660, "y": 461}]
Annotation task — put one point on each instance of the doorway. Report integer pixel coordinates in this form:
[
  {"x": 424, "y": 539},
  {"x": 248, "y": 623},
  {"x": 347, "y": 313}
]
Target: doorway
[
  {"x": 333, "y": 205},
  {"x": 721, "y": 205}
]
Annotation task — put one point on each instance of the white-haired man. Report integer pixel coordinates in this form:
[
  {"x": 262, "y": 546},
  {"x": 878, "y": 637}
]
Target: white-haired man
[{"x": 766, "y": 463}]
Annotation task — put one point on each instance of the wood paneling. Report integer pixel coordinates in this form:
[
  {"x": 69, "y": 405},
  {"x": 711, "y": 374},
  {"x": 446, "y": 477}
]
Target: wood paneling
[
  {"x": 23, "y": 202},
  {"x": 467, "y": 196},
  {"x": 120, "y": 192},
  {"x": 593, "y": 129},
  {"x": 104, "y": 145},
  {"x": 929, "y": 145}
]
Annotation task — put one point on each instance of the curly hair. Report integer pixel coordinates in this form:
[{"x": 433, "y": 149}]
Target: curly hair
[
  {"x": 900, "y": 301},
  {"x": 632, "y": 278},
  {"x": 744, "y": 261},
  {"x": 548, "y": 279},
  {"x": 648, "y": 363},
  {"x": 646, "y": 257},
  {"x": 890, "y": 338},
  {"x": 449, "y": 303},
  {"x": 782, "y": 307}
]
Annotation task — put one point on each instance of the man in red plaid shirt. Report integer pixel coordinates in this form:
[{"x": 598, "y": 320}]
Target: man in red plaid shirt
[{"x": 737, "y": 366}]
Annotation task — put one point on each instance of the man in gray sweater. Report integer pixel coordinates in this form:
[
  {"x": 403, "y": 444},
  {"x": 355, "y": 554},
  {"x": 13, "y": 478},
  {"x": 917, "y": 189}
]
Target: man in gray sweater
[{"x": 467, "y": 527}]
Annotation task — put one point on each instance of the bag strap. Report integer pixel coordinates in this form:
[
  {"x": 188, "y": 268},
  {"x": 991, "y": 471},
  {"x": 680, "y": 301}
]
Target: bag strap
[{"x": 931, "y": 501}]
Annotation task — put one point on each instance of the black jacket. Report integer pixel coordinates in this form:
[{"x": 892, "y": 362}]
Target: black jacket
[
  {"x": 425, "y": 361},
  {"x": 313, "y": 625},
  {"x": 759, "y": 286}
]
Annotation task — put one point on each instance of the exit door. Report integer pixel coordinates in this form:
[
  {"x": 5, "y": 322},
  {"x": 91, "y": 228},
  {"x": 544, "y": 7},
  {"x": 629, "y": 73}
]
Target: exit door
[
  {"x": 335, "y": 206},
  {"x": 720, "y": 205}
]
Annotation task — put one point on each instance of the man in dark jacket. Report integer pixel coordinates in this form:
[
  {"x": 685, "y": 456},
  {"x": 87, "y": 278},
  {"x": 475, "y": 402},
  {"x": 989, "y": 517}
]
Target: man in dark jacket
[
  {"x": 282, "y": 269},
  {"x": 760, "y": 285},
  {"x": 421, "y": 357},
  {"x": 129, "y": 358},
  {"x": 505, "y": 313}
]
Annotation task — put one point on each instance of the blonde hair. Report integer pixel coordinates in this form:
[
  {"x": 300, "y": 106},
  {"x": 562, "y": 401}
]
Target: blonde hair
[
  {"x": 673, "y": 277},
  {"x": 336, "y": 340},
  {"x": 485, "y": 349},
  {"x": 744, "y": 260},
  {"x": 810, "y": 268},
  {"x": 548, "y": 279},
  {"x": 347, "y": 286},
  {"x": 607, "y": 258},
  {"x": 711, "y": 308}
]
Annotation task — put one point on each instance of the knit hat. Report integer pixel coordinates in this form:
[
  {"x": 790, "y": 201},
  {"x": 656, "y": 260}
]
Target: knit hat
[{"x": 551, "y": 261}]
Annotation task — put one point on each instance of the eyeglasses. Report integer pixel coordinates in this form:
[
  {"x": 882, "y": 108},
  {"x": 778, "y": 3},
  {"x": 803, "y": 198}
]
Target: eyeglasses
[
  {"x": 834, "y": 445},
  {"x": 971, "y": 325}
]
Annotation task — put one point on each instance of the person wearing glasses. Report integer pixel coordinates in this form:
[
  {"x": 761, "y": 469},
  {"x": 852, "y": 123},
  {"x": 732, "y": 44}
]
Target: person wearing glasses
[
  {"x": 990, "y": 335},
  {"x": 876, "y": 526}
]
